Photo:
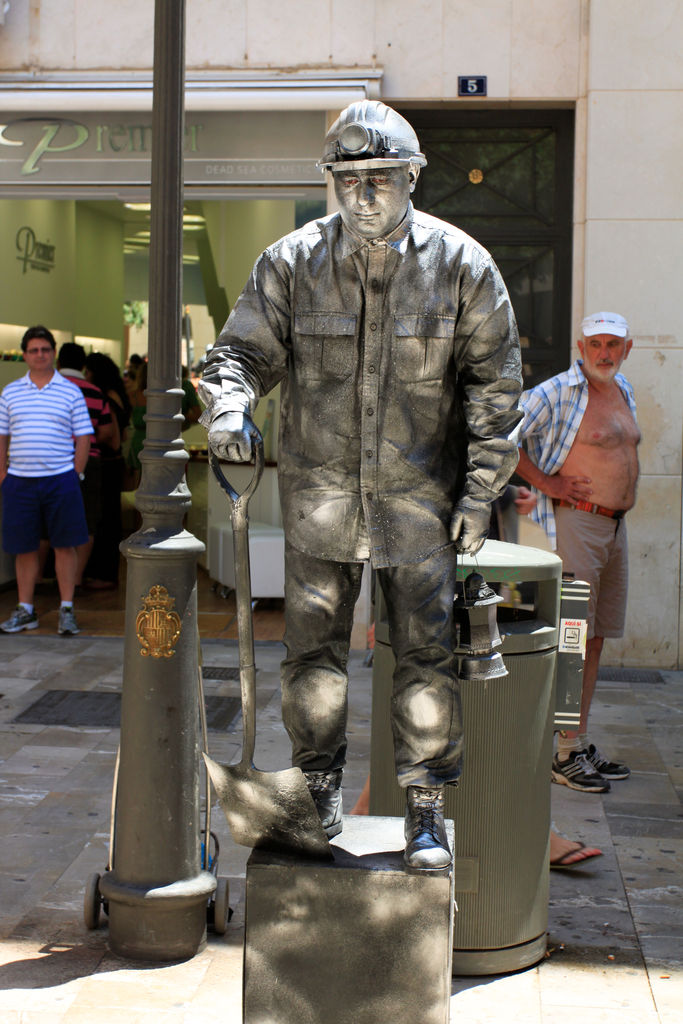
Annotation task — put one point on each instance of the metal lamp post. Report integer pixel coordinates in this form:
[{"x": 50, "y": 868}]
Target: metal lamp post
[{"x": 156, "y": 891}]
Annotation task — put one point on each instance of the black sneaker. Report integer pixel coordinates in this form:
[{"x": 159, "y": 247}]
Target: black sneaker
[
  {"x": 608, "y": 769},
  {"x": 578, "y": 773}
]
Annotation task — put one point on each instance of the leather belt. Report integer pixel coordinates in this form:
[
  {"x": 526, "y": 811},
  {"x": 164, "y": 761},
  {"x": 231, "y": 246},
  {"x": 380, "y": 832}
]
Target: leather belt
[{"x": 597, "y": 510}]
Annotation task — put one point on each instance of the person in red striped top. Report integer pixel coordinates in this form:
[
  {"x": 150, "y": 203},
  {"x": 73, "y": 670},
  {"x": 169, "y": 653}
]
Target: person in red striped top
[{"x": 71, "y": 364}]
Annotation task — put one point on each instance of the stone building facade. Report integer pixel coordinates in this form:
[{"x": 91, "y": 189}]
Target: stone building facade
[{"x": 615, "y": 68}]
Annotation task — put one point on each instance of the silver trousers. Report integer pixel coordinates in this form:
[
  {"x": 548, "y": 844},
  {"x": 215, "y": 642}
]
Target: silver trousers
[{"x": 426, "y": 714}]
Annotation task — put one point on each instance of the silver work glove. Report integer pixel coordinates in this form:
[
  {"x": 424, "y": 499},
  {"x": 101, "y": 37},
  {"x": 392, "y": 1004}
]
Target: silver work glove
[
  {"x": 470, "y": 527},
  {"x": 232, "y": 435}
]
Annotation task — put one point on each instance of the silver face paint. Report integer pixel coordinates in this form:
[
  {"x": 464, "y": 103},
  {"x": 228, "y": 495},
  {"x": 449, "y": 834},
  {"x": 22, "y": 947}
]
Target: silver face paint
[{"x": 372, "y": 203}]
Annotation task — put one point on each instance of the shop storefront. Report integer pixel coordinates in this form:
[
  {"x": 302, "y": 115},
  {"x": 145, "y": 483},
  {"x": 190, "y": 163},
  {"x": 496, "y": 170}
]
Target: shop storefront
[
  {"x": 73, "y": 191},
  {"x": 75, "y": 167}
]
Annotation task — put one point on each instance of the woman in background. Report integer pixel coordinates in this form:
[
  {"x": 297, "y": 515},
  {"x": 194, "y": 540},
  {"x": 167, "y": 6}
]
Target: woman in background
[
  {"x": 133, "y": 363},
  {"x": 138, "y": 401},
  {"x": 103, "y": 567}
]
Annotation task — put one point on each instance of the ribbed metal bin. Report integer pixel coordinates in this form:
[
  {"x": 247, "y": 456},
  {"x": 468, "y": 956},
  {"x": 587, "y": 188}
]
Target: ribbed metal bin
[{"x": 501, "y": 808}]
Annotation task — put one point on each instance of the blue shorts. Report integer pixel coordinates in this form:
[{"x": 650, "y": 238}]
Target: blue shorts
[{"x": 42, "y": 505}]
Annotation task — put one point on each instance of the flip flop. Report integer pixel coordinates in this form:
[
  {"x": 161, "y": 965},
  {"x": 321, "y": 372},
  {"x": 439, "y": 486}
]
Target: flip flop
[{"x": 572, "y": 858}]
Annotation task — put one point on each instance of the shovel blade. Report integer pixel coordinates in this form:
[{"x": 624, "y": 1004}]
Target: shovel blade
[{"x": 269, "y": 810}]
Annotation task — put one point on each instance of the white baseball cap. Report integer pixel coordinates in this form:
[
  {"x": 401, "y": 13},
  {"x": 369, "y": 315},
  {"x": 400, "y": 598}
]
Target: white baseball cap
[{"x": 605, "y": 323}]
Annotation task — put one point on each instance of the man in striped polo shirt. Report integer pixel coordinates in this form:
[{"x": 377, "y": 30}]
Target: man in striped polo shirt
[
  {"x": 47, "y": 420},
  {"x": 71, "y": 363}
]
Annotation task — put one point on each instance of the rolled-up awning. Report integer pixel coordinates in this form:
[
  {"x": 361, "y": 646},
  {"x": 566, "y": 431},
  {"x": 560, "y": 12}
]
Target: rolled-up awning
[{"x": 296, "y": 91}]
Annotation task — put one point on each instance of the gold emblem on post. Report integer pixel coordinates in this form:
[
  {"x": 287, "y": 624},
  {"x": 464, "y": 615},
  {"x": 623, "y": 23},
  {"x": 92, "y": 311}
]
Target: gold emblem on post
[
  {"x": 476, "y": 176},
  {"x": 157, "y": 625}
]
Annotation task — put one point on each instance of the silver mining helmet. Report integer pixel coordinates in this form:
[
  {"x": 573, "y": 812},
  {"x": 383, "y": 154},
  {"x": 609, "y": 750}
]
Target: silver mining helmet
[{"x": 368, "y": 135}]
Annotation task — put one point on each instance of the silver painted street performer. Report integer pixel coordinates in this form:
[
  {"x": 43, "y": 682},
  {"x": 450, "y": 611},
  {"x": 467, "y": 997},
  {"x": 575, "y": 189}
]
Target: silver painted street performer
[{"x": 394, "y": 340}]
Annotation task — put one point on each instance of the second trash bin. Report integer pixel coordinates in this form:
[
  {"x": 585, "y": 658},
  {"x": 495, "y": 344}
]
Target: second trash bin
[{"x": 501, "y": 807}]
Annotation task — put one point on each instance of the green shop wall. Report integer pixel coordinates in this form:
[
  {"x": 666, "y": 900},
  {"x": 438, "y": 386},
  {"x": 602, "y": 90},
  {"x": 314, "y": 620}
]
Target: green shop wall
[
  {"x": 61, "y": 264},
  {"x": 239, "y": 230},
  {"x": 37, "y": 262},
  {"x": 99, "y": 274}
]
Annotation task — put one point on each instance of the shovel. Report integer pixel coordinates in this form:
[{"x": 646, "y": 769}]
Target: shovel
[{"x": 268, "y": 810}]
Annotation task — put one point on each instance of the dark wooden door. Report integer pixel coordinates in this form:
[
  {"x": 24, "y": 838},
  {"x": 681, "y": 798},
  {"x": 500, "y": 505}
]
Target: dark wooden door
[{"x": 506, "y": 178}]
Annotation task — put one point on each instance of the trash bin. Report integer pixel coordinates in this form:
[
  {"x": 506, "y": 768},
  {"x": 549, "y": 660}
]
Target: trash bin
[{"x": 501, "y": 807}]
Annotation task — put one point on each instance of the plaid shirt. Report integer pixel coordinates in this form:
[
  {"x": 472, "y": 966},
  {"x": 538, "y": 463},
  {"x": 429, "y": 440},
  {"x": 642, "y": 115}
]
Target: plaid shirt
[{"x": 553, "y": 411}]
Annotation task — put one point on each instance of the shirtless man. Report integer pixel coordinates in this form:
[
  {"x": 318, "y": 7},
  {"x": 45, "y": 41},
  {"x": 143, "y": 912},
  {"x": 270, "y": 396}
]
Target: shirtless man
[{"x": 582, "y": 440}]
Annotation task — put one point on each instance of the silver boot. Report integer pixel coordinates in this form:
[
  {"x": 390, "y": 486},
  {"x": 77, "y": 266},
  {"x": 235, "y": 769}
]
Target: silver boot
[
  {"x": 426, "y": 842},
  {"x": 325, "y": 788}
]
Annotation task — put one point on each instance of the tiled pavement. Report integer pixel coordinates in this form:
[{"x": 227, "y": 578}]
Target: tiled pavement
[{"x": 615, "y": 929}]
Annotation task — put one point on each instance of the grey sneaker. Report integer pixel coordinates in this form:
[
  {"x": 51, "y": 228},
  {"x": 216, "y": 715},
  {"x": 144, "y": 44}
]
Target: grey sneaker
[
  {"x": 18, "y": 620},
  {"x": 67, "y": 622}
]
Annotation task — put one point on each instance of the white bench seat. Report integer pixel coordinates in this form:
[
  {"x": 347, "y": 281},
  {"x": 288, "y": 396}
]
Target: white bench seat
[{"x": 266, "y": 556}]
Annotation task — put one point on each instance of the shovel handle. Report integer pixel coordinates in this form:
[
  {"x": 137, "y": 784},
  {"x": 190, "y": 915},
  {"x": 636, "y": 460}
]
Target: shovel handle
[
  {"x": 259, "y": 462},
  {"x": 245, "y": 625}
]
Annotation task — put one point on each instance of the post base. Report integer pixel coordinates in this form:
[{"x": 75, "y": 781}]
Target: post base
[{"x": 161, "y": 924}]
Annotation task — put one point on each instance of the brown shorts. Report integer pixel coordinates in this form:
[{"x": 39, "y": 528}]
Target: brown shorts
[{"x": 594, "y": 548}]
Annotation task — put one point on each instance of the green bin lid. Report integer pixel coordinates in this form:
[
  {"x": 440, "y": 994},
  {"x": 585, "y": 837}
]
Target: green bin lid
[{"x": 501, "y": 562}]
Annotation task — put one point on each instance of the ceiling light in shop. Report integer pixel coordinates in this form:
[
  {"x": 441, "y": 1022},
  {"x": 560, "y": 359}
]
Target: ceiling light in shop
[{"x": 140, "y": 207}]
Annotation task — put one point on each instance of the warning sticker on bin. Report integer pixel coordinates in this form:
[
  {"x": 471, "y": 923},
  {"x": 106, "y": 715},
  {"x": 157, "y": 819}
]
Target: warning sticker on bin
[{"x": 573, "y": 636}]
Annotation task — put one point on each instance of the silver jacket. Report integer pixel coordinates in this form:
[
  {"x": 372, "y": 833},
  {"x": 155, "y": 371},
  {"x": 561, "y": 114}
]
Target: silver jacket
[{"x": 400, "y": 368}]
